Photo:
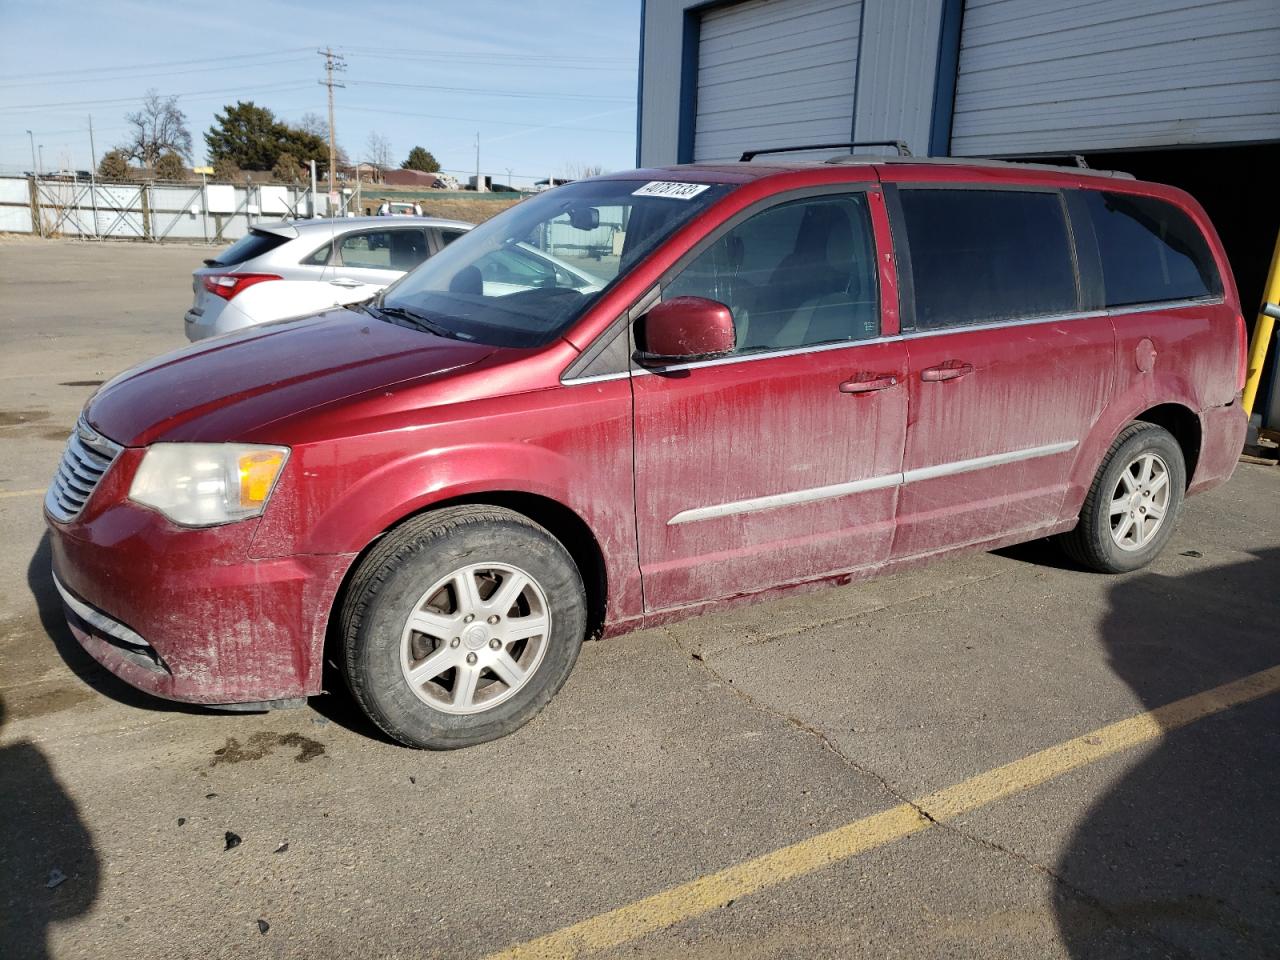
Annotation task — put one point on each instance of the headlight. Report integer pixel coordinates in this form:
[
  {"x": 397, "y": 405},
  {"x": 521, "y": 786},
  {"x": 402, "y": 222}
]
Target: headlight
[{"x": 202, "y": 484}]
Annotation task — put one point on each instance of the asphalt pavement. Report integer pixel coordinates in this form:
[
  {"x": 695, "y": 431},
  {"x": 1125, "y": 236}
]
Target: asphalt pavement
[{"x": 974, "y": 759}]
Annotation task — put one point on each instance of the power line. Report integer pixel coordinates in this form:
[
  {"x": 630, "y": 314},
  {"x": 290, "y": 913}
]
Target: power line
[
  {"x": 148, "y": 66},
  {"x": 471, "y": 119},
  {"x": 424, "y": 53},
  {"x": 492, "y": 92},
  {"x": 144, "y": 76},
  {"x": 192, "y": 94}
]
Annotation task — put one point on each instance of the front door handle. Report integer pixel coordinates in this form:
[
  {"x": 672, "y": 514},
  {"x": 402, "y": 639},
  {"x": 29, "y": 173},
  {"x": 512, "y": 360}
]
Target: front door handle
[
  {"x": 868, "y": 382},
  {"x": 346, "y": 282},
  {"x": 948, "y": 370}
]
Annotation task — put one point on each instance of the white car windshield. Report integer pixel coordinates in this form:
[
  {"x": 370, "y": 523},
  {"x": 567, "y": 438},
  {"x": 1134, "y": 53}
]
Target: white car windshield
[{"x": 522, "y": 278}]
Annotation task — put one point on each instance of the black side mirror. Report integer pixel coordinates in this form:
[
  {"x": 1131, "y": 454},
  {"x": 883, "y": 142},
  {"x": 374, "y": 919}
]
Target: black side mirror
[{"x": 584, "y": 218}]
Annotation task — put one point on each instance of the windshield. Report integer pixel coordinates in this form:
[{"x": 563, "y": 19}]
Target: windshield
[{"x": 520, "y": 279}]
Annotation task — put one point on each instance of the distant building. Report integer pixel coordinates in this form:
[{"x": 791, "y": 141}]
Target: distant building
[{"x": 416, "y": 178}]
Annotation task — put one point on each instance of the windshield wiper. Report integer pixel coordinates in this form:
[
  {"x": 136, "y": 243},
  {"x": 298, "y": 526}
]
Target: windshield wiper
[{"x": 418, "y": 320}]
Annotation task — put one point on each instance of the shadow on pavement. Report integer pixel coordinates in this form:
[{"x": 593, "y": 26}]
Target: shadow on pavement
[
  {"x": 42, "y": 839},
  {"x": 1182, "y": 855}
]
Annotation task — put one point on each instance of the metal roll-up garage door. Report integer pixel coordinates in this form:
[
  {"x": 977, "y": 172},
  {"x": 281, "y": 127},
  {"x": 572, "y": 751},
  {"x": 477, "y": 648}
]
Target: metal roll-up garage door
[
  {"x": 1038, "y": 76},
  {"x": 775, "y": 73}
]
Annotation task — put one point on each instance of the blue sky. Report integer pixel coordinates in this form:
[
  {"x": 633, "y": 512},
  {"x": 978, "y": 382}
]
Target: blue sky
[{"x": 548, "y": 85}]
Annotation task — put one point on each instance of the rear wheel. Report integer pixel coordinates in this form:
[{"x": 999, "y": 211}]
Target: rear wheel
[
  {"x": 461, "y": 625},
  {"x": 1133, "y": 504}
]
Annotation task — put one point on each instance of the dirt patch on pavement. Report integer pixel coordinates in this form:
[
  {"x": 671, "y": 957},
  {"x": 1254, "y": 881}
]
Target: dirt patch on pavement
[
  {"x": 16, "y": 418},
  {"x": 261, "y": 744}
]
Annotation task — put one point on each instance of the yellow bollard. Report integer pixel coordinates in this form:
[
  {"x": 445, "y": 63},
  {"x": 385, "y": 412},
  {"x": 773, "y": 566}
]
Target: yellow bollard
[{"x": 1262, "y": 332}]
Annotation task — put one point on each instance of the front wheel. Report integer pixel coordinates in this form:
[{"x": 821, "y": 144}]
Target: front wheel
[
  {"x": 1130, "y": 511},
  {"x": 461, "y": 625}
]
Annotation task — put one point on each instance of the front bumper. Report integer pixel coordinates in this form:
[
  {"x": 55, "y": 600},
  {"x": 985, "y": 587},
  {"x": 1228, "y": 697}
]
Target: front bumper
[{"x": 187, "y": 614}]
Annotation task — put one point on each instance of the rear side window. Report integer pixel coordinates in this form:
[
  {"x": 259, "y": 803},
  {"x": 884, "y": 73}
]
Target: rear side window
[
  {"x": 253, "y": 244},
  {"x": 1150, "y": 250},
  {"x": 979, "y": 256}
]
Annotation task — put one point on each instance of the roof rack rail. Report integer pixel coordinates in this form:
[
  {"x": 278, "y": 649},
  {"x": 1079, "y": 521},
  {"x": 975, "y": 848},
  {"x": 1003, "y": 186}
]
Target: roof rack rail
[{"x": 899, "y": 145}]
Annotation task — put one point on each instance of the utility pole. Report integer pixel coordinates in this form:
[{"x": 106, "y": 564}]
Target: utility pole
[
  {"x": 479, "y": 185},
  {"x": 332, "y": 61},
  {"x": 93, "y": 153},
  {"x": 32, "y": 138},
  {"x": 40, "y": 165}
]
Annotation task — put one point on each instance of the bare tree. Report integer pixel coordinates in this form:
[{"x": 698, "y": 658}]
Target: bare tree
[
  {"x": 377, "y": 151},
  {"x": 580, "y": 171},
  {"x": 314, "y": 124},
  {"x": 158, "y": 128}
]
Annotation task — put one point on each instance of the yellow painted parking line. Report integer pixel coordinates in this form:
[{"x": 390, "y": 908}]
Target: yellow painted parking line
[
  {"x": 6, "y": 494},
  {"x": 715, "y": 890}
]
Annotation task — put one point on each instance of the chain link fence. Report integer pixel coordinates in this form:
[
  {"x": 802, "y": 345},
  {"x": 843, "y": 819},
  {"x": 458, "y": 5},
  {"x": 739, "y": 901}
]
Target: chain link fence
[{"x": 191, "y": 211}]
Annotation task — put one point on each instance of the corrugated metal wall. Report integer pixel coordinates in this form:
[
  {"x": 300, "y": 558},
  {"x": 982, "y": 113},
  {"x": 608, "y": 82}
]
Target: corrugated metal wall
[
  {"x": 897, "y": 70},
  {"x": 773, "y": 73},
  {"x": 1038, "y": 76}
]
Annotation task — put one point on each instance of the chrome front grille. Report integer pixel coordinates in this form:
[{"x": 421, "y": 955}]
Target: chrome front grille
[{"x": 85, "y": 460}]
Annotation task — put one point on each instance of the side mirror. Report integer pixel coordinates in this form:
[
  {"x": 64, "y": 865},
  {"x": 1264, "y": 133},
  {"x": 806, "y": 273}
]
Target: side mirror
[
  {"x": 584, "y": 218},
  {"x": 684, "y": 329}
]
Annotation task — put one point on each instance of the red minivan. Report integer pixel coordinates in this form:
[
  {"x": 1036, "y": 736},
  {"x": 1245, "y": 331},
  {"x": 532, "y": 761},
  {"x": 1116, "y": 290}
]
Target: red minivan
[{"x": 774, "y": 375}]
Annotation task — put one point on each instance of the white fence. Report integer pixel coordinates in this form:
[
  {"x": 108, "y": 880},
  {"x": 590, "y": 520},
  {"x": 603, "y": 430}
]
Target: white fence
[{"x": 153, "y": 211}]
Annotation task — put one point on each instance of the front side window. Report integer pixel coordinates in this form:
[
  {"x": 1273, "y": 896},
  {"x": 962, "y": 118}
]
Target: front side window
[
  {"x": 523, "y": 277},
  {"x": 1151, "y": 252},
  {"x": 384, "y": 249},
  {"x": 979, "y": 256},
  {"x": 797, "y": 274}
]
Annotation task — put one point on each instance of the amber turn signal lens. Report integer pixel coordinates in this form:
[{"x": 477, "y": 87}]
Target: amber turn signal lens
[{"x": 258, "y": 472}]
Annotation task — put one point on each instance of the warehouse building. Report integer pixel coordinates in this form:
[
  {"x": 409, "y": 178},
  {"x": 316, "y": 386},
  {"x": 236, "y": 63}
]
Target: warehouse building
[{"x": 1185, "y": 92}]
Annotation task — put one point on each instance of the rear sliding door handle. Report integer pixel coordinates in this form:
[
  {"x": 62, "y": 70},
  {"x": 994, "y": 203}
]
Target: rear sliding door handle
[
  {"x": 949, "y": 370},
  {"x": 868, "y": 383}
]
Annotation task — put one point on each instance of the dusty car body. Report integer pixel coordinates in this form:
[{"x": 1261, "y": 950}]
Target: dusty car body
[{"x": 722, "y": 420}]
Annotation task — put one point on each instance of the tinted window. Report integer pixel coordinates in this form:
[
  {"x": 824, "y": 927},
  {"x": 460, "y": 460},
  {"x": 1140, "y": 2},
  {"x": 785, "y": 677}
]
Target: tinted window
[
  {"x": 253, "y": 244},
  {"x": 320, "y": 257},
  {"x": 384, "y": 249},
  {"x": 797, "y": 274},
  {"x": 1150, "y": 250},
  {"x": 448, "y": 236},
  {"x": 984, "y": 255}
]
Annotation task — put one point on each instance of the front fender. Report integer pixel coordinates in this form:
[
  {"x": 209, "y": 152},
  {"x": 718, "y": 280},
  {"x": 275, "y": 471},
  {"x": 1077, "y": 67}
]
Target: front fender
[{"x": 311, "y": 518}]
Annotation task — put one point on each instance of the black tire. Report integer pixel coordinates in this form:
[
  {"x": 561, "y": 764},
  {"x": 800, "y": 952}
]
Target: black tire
[
  {"x": 391, "y": 581},
  {"x": 1091, "y": 543}
]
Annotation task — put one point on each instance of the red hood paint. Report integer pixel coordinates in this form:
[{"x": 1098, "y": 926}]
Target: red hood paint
[{"x": 225, "y": 388}]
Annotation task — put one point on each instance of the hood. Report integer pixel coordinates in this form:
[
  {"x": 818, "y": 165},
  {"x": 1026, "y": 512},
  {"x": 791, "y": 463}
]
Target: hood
[{"x": 229, "y": 386}]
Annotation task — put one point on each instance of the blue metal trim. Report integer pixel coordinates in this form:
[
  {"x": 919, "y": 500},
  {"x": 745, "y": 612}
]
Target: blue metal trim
[
  {"x": 688, "y": 85},
  {"x": 944, "y": 81},
  {"x": 640, "y": 88}
]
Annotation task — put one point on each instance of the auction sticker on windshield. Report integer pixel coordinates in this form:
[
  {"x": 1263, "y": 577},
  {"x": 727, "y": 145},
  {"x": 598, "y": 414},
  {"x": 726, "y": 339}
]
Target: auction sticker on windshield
[{"x": 671, "y": 189}]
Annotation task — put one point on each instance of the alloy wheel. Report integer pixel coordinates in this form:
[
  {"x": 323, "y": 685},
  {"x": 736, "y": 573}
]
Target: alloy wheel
[
  {"x": 1140, "y": 502},
  {"x": 475, "y": 637}
]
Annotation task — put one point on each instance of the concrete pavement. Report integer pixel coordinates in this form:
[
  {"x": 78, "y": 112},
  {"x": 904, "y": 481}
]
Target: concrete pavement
[{"x": 670, "y": 755}]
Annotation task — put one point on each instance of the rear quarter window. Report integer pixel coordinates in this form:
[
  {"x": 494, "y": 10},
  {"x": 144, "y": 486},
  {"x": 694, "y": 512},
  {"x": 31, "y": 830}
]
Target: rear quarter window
[
  {"x": 1150, "y": 251},
  {"x": 253, "y": 244},
  {"x": 980, "y": 256}
]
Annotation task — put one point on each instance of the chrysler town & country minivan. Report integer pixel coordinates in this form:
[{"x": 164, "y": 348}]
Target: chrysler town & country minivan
[{"x": 792, "y": 374}]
